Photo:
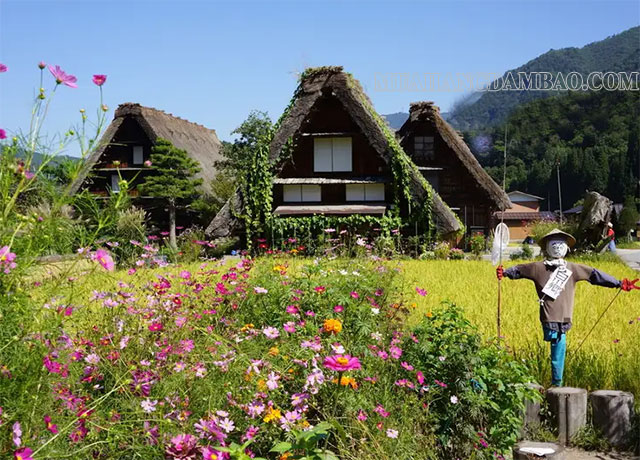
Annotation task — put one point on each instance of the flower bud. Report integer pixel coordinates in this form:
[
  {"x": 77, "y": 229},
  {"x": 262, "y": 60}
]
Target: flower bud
[
  {"x": 41, "y": 65},
  {"x": 104, "y": 108}
]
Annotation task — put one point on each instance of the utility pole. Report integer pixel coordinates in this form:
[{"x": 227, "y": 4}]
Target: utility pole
[{"x": 559, "y": 189}]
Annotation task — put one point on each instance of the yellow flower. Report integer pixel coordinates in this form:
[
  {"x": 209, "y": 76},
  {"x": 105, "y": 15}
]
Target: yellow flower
[
  {"x": 279, "y": 268},
  {"x": 246, "y": 327},
  {"x": 348, "y": 381},
  {"x": 428, "y": 314},
  {"x": 285, "y": 456},
  {"x": 272, "y": 414},
  {"x": 262, "y": 386},
  {"x": 273, "y": 351},
  {"x": 332, "y": 326},
  {"x": 413, "y": 305}
]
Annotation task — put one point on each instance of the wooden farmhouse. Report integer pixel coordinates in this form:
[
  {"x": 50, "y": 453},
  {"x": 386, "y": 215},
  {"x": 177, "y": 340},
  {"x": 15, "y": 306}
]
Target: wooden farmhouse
[
  {"x": 446, "y": 162},
  {"x": 126, "y": 145},
  {"x": 333, "y": 155},
  {"x": 525, "y": 209}
]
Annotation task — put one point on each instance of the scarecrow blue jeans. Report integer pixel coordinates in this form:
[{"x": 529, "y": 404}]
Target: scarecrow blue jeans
[{"x": 558, "y": 341}]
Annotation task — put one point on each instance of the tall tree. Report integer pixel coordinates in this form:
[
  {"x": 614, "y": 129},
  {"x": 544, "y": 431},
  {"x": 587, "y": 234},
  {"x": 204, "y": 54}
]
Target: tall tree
[{"x": 172, "y": 180}]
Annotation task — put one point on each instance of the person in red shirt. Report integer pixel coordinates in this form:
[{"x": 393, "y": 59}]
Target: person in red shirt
[{"x": 611, "y": 234}]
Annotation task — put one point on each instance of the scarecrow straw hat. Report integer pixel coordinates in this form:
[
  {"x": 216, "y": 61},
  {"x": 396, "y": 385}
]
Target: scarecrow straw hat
[{"x": 557, "y": 234}]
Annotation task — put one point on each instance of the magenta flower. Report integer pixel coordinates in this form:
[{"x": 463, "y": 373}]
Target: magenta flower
[
  {"x": 3, "y": 68},
  {"x": 23, "y": 454},
  {"x": 104, "y": 259},
  {"x": 155, "y": 326},
  {"x": 3, "y": 134},
  {"x": 62, "y": 77},
  {"x": 342, "y": 363},
  {"x": 99, "y": 79},
  {"x": 53, "y": 428},
  {"x": 210, "y": 454},
  {"x": 422, "y": 292},
  {"x": 182, "y": 446}
]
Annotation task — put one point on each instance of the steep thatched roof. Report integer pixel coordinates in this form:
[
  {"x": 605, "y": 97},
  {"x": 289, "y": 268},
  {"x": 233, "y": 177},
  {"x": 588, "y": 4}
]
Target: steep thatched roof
[
  {"x": 200, "y": 143},
  {"x": 313, "y": 84},
  {"x": 427, "y": 111}
]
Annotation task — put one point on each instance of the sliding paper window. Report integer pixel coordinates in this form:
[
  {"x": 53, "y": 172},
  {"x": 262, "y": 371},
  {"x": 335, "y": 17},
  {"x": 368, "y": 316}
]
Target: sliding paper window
[
  {"x": 332, "y": 154},
  {"x": 301, "y": 193},
  {"x": 365, "y": 192}
]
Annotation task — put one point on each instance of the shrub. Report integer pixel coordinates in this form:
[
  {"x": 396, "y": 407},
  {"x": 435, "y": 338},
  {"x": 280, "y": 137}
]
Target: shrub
[
  {"x": 478, "y": 245},
  {"x": 456, "y": 254},
  {"x": 442, "y": 250},
  {"x": 525, "y": 252}
]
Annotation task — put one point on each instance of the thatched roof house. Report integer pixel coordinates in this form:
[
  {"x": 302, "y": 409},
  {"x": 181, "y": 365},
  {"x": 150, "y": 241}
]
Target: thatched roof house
[
  {"x": 446, "y": 161},
  {"x": 128, "y": 141},
  {"x": 329, "y": 107}
]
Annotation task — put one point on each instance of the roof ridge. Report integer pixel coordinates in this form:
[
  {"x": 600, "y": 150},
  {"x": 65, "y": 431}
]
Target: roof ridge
[{"x": 135, "y": 108}]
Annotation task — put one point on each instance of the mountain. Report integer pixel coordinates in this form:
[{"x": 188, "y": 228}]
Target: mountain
[
  {"x": 618, "y": 53},
  {"x": 396, "y": 120},
  {"x": 594, "y": 137}
]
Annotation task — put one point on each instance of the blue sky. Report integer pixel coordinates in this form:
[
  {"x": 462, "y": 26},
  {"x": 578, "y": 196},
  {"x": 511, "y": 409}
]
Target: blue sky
[{"x": 213, "y": 62}]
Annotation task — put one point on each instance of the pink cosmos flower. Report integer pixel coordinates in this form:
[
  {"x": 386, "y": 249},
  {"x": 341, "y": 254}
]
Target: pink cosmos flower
[
  {"x": 338, "y": 309},
  {"x": 380, "y": 410},
  {"x": 17, "y": 434},
  {"x": 99, "y": 79},
  {"x": 210, "y": 454},
  {"x": 3, "y": 134},
  {"x": 62, "y": 77},
  {"x": 3, "y": 68},
  {"x": 362, "y": 415},
  {"x": 182, "y": 446},
  {"x": 155, "y": 326},
  {"x": 53, "y": 428},
  {"x": 354, "y": 294},
  {"x": 393, "y": 434},
  {"x": 260, "y": 290},
  {"x": 395, "y": 351},
  {"x": 104, "y": 259},
  {"x": 342, "y": 363},
  {"x": 271, "y": 332},
  {"x": 148, "y": 163},
  {"x": 454, "y": 399},
  {"x": 420, "y": 377},
  {"x": 23, "y": 454},
  {"x": 421, "y": 291}
]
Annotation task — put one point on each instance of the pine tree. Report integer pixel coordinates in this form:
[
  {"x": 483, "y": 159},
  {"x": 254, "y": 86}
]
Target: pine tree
[{"x": 172, "y": 181}]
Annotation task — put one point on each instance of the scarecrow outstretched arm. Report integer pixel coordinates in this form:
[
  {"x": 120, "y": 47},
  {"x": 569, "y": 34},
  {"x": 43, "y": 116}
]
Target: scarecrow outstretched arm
[
  {"x": 595, "y": 277},
  {"x": 519, "y": 271}
]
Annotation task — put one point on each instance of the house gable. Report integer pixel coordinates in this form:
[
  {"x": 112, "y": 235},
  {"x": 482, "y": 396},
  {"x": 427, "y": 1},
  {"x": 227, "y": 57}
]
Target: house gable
[{"x": 332, "y": 81}]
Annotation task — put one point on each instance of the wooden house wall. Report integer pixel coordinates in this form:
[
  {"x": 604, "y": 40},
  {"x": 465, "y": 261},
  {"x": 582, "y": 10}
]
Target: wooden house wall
[
  {"x": 456, "y": 185},
  {"x": 329, "y": 116}
]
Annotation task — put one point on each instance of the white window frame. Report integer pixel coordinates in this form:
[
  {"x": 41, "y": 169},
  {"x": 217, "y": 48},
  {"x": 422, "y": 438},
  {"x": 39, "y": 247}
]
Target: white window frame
[
  {"x": 138, "y": 153},
  {"x": 332, "y": 154},
  {"x": 301, "y": 193},
  {"x": 365, "y": 192}
]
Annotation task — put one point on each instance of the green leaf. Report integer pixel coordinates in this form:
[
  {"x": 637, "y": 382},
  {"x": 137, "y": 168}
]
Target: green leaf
[{"x": 281, "y": 447}]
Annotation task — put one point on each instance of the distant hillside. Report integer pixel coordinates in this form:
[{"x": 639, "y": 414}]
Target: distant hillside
[
  {"x": 396, "y": 120},
  {"x": 595, "y": 136},
  {"x": 617, "y": 53}
]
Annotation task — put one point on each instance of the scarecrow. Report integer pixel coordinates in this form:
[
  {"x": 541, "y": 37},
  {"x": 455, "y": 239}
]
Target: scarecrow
[{"x": 555, "y": 280}]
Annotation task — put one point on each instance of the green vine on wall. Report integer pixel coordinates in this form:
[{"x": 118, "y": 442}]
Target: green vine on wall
[{"x": 258, "y": 187}]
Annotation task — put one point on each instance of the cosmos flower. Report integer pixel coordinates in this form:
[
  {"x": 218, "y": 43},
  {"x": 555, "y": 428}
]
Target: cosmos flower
[
  {"x": 393, "y": 434},
  {"x": 99, "y": 79},
  {"x": 50, "y": 426},
  {"x": 421, "y": 291},
  {"x": 62, "y": 77},
  {"x": 3, "y": 134},
  {"x": 104, "y": 259},
  {"x": 342, "y": 363},
  {"x": 182, "y": 446},
  {"x": 23, "y": 454},
  {"x": 3, "y": 68},
  {"x": 271, "y": 332}
]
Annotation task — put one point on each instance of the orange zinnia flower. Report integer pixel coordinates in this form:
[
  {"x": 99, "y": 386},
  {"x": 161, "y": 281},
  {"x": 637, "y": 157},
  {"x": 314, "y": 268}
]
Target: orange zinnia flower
[{"x": 332, "y": 326}]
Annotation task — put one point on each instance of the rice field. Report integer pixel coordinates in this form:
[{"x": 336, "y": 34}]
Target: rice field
[{"x": 610, "y": 357}]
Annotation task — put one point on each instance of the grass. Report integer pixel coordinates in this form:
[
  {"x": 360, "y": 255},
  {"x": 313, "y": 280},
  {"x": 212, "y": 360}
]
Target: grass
[
  {"x": 628, "y": 245},
  {"x": 607, "y": 360}
]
